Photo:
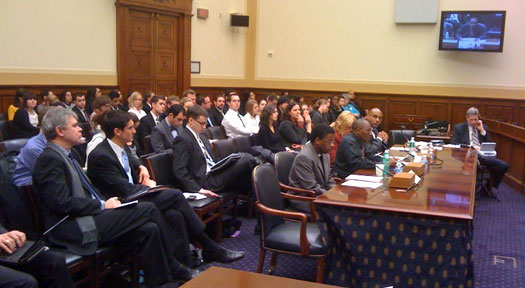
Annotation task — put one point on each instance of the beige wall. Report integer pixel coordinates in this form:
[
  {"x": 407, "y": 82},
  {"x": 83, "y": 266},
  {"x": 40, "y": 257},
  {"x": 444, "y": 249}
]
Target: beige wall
[
  {"x": 353, "y": 44},
  {"x": 58, "y": 42},
  {"x": 219, "y": 47}
]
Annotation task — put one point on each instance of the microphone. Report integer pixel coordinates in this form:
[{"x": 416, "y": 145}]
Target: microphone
[{"x": 404, "y": 136}]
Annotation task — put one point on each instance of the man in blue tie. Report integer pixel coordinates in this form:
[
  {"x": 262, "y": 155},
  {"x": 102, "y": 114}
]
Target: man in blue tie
[
  {"x": 163, "y": 134},
  {"x": 114, "y": 171},
  {"x": 62, "y": 188}
]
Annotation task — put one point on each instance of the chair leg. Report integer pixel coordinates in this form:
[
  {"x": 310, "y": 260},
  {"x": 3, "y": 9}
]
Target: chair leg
[
  {"x": 273, "y": 262},
  {"x": 261, "y": 260},
  {"x": 320, "y": 270}
]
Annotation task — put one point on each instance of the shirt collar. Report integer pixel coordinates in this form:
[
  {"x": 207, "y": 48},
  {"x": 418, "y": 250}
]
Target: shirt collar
[
  {"x": 193, "y": 133},
  {"x": 60, "y": 148},
  {"x": 116, "y": 148}
]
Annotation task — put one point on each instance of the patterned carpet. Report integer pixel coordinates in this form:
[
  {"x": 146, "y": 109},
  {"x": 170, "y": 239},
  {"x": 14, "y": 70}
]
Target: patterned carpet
[{"x": 499, "y": 245}]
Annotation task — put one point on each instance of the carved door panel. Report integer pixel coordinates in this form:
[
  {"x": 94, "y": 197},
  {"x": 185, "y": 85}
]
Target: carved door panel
[
  {"x": 140, "y": 51},
  {"x": 166, "y": 53}
]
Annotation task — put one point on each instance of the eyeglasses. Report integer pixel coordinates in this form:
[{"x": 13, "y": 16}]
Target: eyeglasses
[
  {"x": 202, "y": 123},
  {"x": 328, "y": 141}
]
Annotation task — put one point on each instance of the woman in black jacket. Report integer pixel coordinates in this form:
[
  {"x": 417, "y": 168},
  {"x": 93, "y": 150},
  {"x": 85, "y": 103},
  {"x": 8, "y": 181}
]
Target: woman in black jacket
[
  {"x": 295, "y": 128},
  {"x": 25, "y": 122},
  {"x": 268, "y": 134}
]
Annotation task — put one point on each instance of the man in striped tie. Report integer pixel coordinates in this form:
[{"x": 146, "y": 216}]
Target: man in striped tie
[{"x": 473, "y": 133}]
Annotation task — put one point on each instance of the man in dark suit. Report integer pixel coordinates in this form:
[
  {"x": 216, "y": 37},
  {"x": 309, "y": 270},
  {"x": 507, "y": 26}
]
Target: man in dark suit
[
  {"x": 146, "y": 105},
  {"x": 378, "y": 140},
  {"x": 163, "y": 134},
  {"x": 148, "y": 122},
  {"x": 62, "y": 188},
  {"x": 217, "y": 112},
  {"x": 205, "y": 102},
  {"x": 80, "y": 104},
  {"x": 194, "y": 157},
  {"x": 311, "y": 167},
  {"x": 116, "y": 100},
  {"x": 115, "y": 172},
  {"x": 48, "y": 268},
  {"x": 473, "y": 133},
  {"x": 353, "y": 152}
]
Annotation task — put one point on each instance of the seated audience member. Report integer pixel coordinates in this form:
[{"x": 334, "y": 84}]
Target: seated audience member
[
  {"x": 66, "y": 97},
  {"x": 334, "y": 110},
  {"x": 101, "y": 105},
  {"x": 353, "y": 152},
  {"x": 378, "y": 140},
  {"x": 311, "y": 167},
  {"x": 320, "y": 113},
  {"x": 25, "y": 163},
  {"x": 80, "y": 108},
  {"x": 17, "y": 103},
  {"x": 134, "y": 146},
  {"x": 272, "y": 99},
  {"x": 252, "y": 119},
  {"x": 473, "y": 132},
  {"x": 342, "y": 126},
  {"x": 245, "y": 97},
  {"x": 295, "y": 128},
  {"x": 282, "y": 104},
  {"x": 234, "y": 123},
  {"x": 268, "y": 131},
  {"x": 53, "y": 101},
  {"x": 195, "y": 158},
  {"x": 205, "y": 102},
  {"x": 217, "y": 112},
  {"x": 172, "y": 100},
  {"x": 135, "y": 104},
  {"x": 163, "y": 134},
  {"x": 186, "y": 103},
  {"x": 62, "y": 188},
  {"x": 116, "y": 173},
  {"x": 91, "y": 94},
  {"x": 190, "y": 94},
  {"x": 25, "y": 122},
  {"x": 116, "y": 100},
  {"x": 262, "y": 103},
  {"x": 298, "y": 98},
  {"x": 47, "y": 269},
  {"x": 44, "y": 94},
  {"x": 351, "y": 105},
  {"x": 158, "y": 106},
  {"x": 147, "y": 101}
]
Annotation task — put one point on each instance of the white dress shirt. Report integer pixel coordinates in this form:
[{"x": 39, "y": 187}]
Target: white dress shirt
[
  {"x": 235, "y": 126},
  {"x": 252, "y": 122},
  {"x": 140, "y": 113}
]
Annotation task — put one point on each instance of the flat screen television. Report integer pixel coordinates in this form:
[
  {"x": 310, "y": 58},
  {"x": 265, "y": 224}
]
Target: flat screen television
[{"x": 480, "y": 31}]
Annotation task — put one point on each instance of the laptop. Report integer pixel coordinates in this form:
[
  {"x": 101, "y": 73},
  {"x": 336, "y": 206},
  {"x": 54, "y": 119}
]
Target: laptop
[
  {"x": 487, "y": 149},
  {"x": 30, "y": 249}
]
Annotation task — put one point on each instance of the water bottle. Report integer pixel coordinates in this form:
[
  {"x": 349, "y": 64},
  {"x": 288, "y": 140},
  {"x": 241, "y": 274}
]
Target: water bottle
[
  {"x": 399, "y": 167},
  {"x": 412, "y": 145},
  {"x": 386, "y": 163},
  {"x": 424, "y": 161},
  {"x": 431, "y": 151}
]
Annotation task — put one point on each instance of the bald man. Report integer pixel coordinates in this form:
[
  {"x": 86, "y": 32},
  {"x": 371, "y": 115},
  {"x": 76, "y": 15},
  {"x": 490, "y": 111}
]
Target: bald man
[
  {"x": 378, "y": 140},
  {"x": 353, "y": 152}
]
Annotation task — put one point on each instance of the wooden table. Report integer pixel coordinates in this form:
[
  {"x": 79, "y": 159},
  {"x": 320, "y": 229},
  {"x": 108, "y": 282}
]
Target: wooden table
[
  {"x": 390, "y": 237},
  {"x": 218, "y": 277}
]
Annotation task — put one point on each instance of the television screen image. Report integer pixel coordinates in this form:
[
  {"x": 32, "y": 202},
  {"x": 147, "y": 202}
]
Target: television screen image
[{"x": 480, "y": 31}]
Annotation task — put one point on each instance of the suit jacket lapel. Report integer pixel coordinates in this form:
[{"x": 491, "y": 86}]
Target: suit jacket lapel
[{"x": 115, "y": 158}]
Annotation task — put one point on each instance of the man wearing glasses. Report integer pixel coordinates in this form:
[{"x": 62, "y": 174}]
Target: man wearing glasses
[
  {"x": 311, "y": 167},
  {"x": 193, "y": 159}
]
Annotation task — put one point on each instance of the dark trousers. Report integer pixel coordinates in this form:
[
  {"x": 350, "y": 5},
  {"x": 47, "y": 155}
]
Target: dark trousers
[
  {"x": 140, "y": 226},
  {"x": 496, "y": 166},
  {"x": 181, "y": 219},
  {"x": 48, "y": 268},
  {"x": 236, "y": 177}
]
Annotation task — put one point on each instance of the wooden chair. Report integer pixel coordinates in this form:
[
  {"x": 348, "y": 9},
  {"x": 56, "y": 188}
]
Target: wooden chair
[
  {"x": 216, "y": 132},
  {"x": 284, "y": 231},
  {"x": 411, "y": 122},
  {"x": 148, "y": 147}
]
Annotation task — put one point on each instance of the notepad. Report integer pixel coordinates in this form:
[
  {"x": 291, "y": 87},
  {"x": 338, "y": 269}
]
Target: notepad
[
  {"x": 362, "y": 184},
  {"x": 374, "y": 179},
  {"x": 198, "y": 196}
]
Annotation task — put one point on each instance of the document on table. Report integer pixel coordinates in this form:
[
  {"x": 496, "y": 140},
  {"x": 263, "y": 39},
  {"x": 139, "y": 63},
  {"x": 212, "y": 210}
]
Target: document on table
[
  {"x": 362, "y": 184},
  {"x": 374, "y": 179},
  {"x": 198, "y": 196}
]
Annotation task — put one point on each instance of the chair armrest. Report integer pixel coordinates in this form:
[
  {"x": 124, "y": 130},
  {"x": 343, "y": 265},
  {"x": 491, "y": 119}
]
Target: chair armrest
[
  {"x": 337, "y": 180},
  {"x": 297, "y": 190},
  {"x": 313, "y": 211},
  {"x": 305, "y": 246}
]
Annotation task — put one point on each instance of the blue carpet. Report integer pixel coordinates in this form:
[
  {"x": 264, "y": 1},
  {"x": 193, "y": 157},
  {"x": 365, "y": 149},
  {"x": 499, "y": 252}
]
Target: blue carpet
[{"x": 499, "y": 245}]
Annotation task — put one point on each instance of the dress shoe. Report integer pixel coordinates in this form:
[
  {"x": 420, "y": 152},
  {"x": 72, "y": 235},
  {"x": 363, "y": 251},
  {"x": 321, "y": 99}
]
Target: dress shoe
[
  {"x": 222, "y": 255},
  {"x": 185, "y": 274}
]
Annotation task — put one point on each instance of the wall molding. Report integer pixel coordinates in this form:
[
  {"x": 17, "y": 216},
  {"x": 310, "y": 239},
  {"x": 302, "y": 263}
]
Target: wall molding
[{"x": 44, "y": 76}]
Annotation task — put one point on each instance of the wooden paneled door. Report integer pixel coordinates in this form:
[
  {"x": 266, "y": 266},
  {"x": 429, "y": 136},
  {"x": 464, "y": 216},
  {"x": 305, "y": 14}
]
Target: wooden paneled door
[{"x": 153, "y": 44}]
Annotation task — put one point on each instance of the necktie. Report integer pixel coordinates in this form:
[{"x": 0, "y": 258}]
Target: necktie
[
  {"x": 474, "y": 140},
  {"x": 125, "y": 161},
  {"x": 240, "y": 118},
  {"x": 84, "y": 179},
  {"x": 322, "y": 164},
  {"x": 207, "y": 156},
  {"x": 210, "y": 123},
  {"x": 157, "y": 121},
  {"x": 86, "y": 116}
]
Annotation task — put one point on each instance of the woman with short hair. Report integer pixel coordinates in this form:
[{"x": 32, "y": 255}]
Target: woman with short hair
[{"x": 25, "y": 121}]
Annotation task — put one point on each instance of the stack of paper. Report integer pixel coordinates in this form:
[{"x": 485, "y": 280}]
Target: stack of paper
[{"x": 363, "y": 181}]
